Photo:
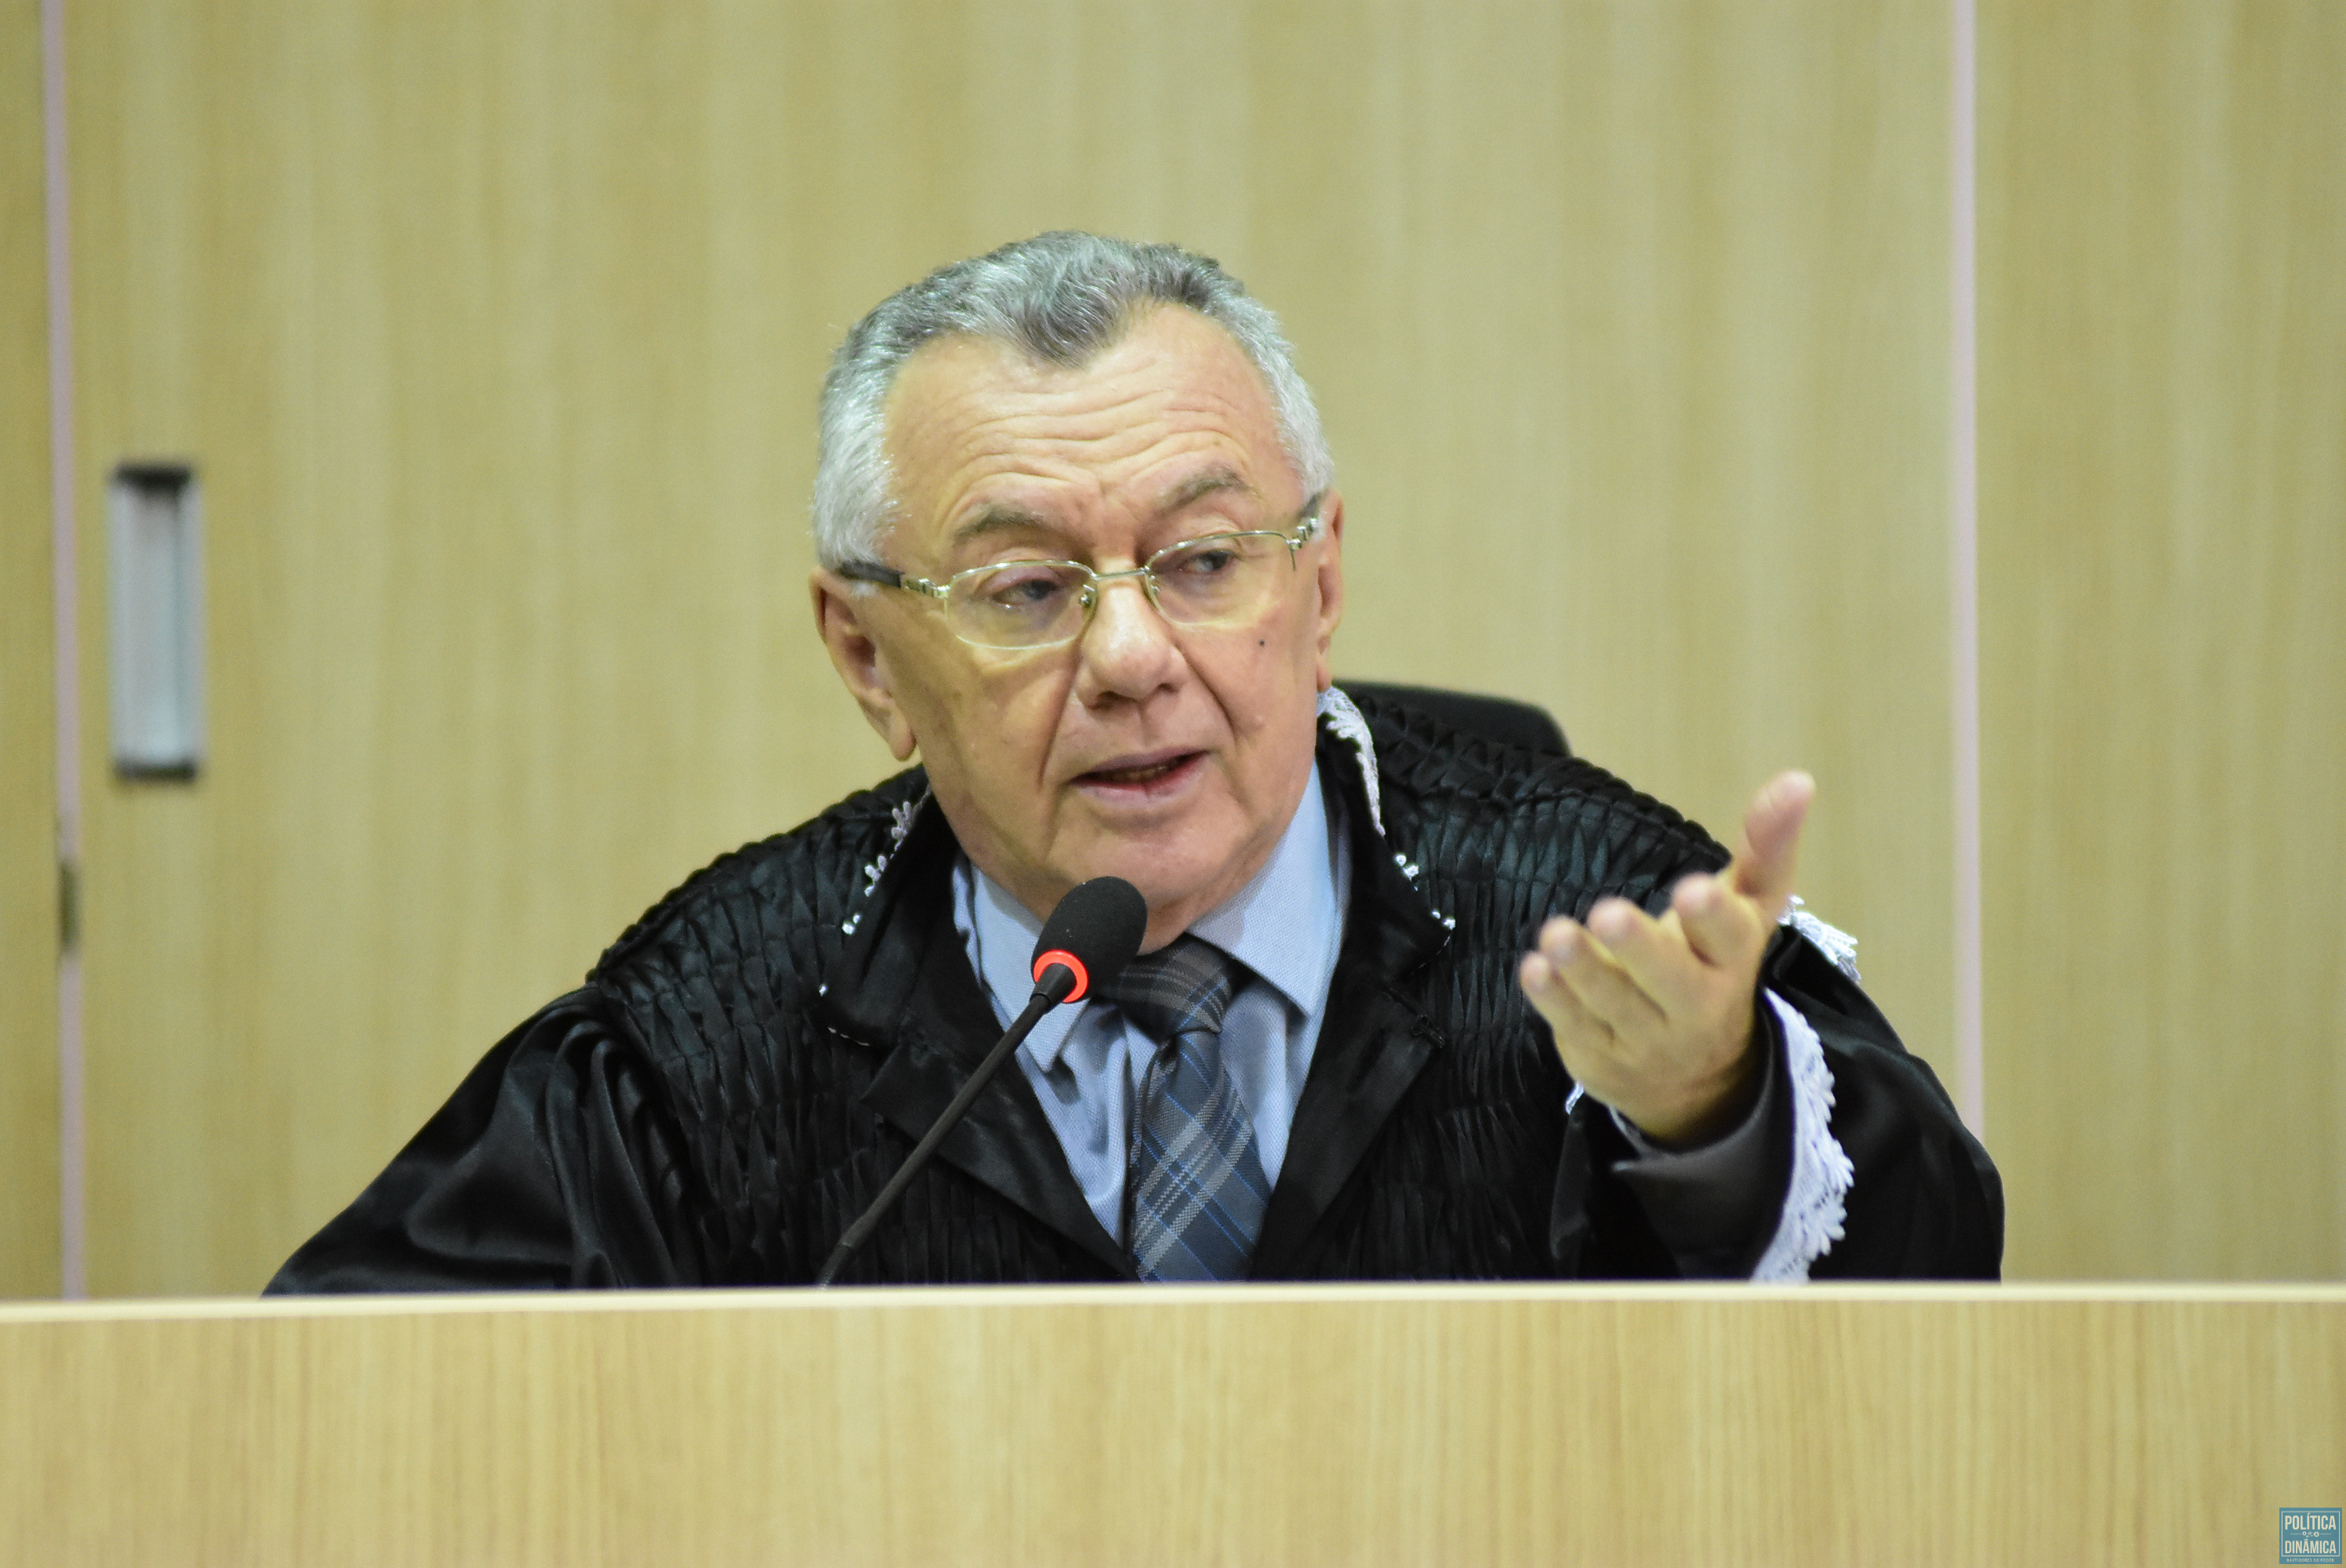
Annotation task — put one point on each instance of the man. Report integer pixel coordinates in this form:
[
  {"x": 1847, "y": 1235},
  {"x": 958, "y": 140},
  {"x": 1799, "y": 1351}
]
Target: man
[{"x": 1081, "y": 552}]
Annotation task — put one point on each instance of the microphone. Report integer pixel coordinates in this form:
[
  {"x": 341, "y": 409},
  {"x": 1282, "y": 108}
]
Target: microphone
[
  {"x": 1094, "y": 933},
  {"x": 1089, "y": 938}
]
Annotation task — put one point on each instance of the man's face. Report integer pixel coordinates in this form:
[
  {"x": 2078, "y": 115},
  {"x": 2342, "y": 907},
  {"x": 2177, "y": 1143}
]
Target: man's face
[{"x": 1172, "y": 756}]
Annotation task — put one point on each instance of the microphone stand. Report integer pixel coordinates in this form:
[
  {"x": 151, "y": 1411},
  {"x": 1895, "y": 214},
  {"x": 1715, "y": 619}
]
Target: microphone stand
[{"x": 1056, "y": 981}]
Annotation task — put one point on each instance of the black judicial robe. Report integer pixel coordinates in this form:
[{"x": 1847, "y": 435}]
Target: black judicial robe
[{"x": 752, "y": 1061}]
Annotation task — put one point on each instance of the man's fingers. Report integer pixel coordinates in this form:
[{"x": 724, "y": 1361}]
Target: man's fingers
[
  {"x": 1721, "y": 925},
  {"x": 1653, "y": 955},
  {"x": 1762, "y": 870},
  {"x": 1597, "y": 978},
  {"x": 1565, "y": 1013}
]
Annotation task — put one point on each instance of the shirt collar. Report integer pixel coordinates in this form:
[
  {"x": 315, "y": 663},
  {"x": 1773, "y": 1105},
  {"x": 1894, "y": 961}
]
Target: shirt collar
[{"x": 1286, "y": 925}]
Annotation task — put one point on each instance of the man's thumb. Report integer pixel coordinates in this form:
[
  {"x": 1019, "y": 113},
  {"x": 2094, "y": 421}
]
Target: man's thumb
[{"x": 1771, "y": 856}]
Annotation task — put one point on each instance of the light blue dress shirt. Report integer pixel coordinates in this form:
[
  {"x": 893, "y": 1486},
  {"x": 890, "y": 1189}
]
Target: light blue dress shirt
[{"x": 1087, "y": 1061}]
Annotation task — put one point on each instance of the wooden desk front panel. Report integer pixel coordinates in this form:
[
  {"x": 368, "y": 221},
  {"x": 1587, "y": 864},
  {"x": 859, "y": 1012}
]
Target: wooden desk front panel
[{"x": 1379, "y": 1424}]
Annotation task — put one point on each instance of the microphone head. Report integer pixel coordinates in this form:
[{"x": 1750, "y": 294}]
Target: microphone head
[{"x": 1092, "y": 933}]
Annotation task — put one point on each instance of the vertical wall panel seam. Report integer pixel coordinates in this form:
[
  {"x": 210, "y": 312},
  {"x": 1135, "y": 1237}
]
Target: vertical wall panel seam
[
  {"x": 1971, "y": 1075},
  {"x": 66, "y": 585}
]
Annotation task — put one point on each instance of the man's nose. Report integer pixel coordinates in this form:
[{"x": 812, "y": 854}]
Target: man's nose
[{"x": 1127, "y": 650}]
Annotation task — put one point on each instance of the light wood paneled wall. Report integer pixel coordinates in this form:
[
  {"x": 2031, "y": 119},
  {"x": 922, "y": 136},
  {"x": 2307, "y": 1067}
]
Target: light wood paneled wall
[
  {"x": 1634, "y": 337},
  {"x": 494, "y": 331},
  {"x": 29, "y": 1257},
  {"x": 1403, "y": 1424},
  {"x": 2163, "y": 582}
]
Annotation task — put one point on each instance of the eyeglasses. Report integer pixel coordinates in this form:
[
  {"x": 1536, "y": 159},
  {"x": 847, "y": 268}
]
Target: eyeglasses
[{"x": 1221, "y": 580}]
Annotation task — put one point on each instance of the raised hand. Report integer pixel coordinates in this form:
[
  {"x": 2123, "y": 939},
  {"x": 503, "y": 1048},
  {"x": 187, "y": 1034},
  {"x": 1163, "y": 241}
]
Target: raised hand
[{"x": 1654, "y": 1017}]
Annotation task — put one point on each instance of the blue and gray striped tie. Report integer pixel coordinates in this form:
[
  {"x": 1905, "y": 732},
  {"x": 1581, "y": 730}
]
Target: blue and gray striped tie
[{"x": 1194, "y": 1187}]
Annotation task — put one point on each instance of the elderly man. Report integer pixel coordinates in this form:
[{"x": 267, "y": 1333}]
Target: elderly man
[{"x": 1412, "y": 1002}]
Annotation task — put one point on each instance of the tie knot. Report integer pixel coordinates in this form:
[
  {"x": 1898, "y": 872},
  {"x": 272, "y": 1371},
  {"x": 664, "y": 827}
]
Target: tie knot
[{"x": 1186, "y": 985}]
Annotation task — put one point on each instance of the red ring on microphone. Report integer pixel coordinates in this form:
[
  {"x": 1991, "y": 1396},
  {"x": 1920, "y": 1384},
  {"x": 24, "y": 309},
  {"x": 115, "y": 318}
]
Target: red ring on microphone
[{"x": 1043, "y": 960}]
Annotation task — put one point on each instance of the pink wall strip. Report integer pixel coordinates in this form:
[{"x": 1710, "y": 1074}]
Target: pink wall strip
[
  {"x": 66, "y": 581},
  {"x": 1971, "y": 1073}
]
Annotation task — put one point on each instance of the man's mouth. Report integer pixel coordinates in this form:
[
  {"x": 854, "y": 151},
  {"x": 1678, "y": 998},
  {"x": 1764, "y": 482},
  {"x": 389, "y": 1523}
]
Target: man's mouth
[{"x": 1140, "y": 772}]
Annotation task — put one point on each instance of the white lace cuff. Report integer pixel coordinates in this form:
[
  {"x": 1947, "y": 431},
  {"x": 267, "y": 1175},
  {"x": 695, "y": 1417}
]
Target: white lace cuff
[{"x": 1816, "y": 1198}]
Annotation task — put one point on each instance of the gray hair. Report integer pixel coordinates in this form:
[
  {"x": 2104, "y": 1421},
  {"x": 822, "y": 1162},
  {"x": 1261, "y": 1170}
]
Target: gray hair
[{"x": 1059, "y": 298}]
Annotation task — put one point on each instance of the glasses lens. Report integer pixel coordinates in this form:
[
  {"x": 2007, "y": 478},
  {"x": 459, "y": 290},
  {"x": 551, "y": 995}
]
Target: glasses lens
[
  {"x": 1211, "y": 582},
  {"x": 1018, "y": 605}
]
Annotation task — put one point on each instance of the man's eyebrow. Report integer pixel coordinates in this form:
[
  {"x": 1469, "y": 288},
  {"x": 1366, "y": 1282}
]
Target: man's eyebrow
[
  {"x": 1001, "y": 517},
  {"x": 1210, "y": 482}
]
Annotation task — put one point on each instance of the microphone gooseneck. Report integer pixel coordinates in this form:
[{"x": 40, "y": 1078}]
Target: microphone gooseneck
[{"x": 1090, "y": 937}]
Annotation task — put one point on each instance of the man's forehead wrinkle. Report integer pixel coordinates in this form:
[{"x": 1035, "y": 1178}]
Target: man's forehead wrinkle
[
  {"x": 1023, "y": 451},
  {"x": 1046, "y": 492}
]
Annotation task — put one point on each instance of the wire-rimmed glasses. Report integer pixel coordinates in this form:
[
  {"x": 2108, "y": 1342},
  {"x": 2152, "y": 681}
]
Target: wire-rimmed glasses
[{"x": 1218, "y": 580}]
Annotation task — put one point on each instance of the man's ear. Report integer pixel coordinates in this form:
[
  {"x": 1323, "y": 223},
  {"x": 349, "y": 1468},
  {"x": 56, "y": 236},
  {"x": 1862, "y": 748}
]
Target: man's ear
[
  {"x": 1331, "y": 575},
  {"x": 857, "y": 657}
]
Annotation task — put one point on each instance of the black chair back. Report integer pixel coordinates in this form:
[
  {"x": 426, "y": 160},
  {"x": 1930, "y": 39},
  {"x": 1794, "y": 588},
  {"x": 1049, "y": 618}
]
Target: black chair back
[{"x": 1501, "y": 719}]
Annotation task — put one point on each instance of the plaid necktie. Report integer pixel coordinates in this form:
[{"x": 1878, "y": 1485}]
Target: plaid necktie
[{"x": 1194, "y": 1187}]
